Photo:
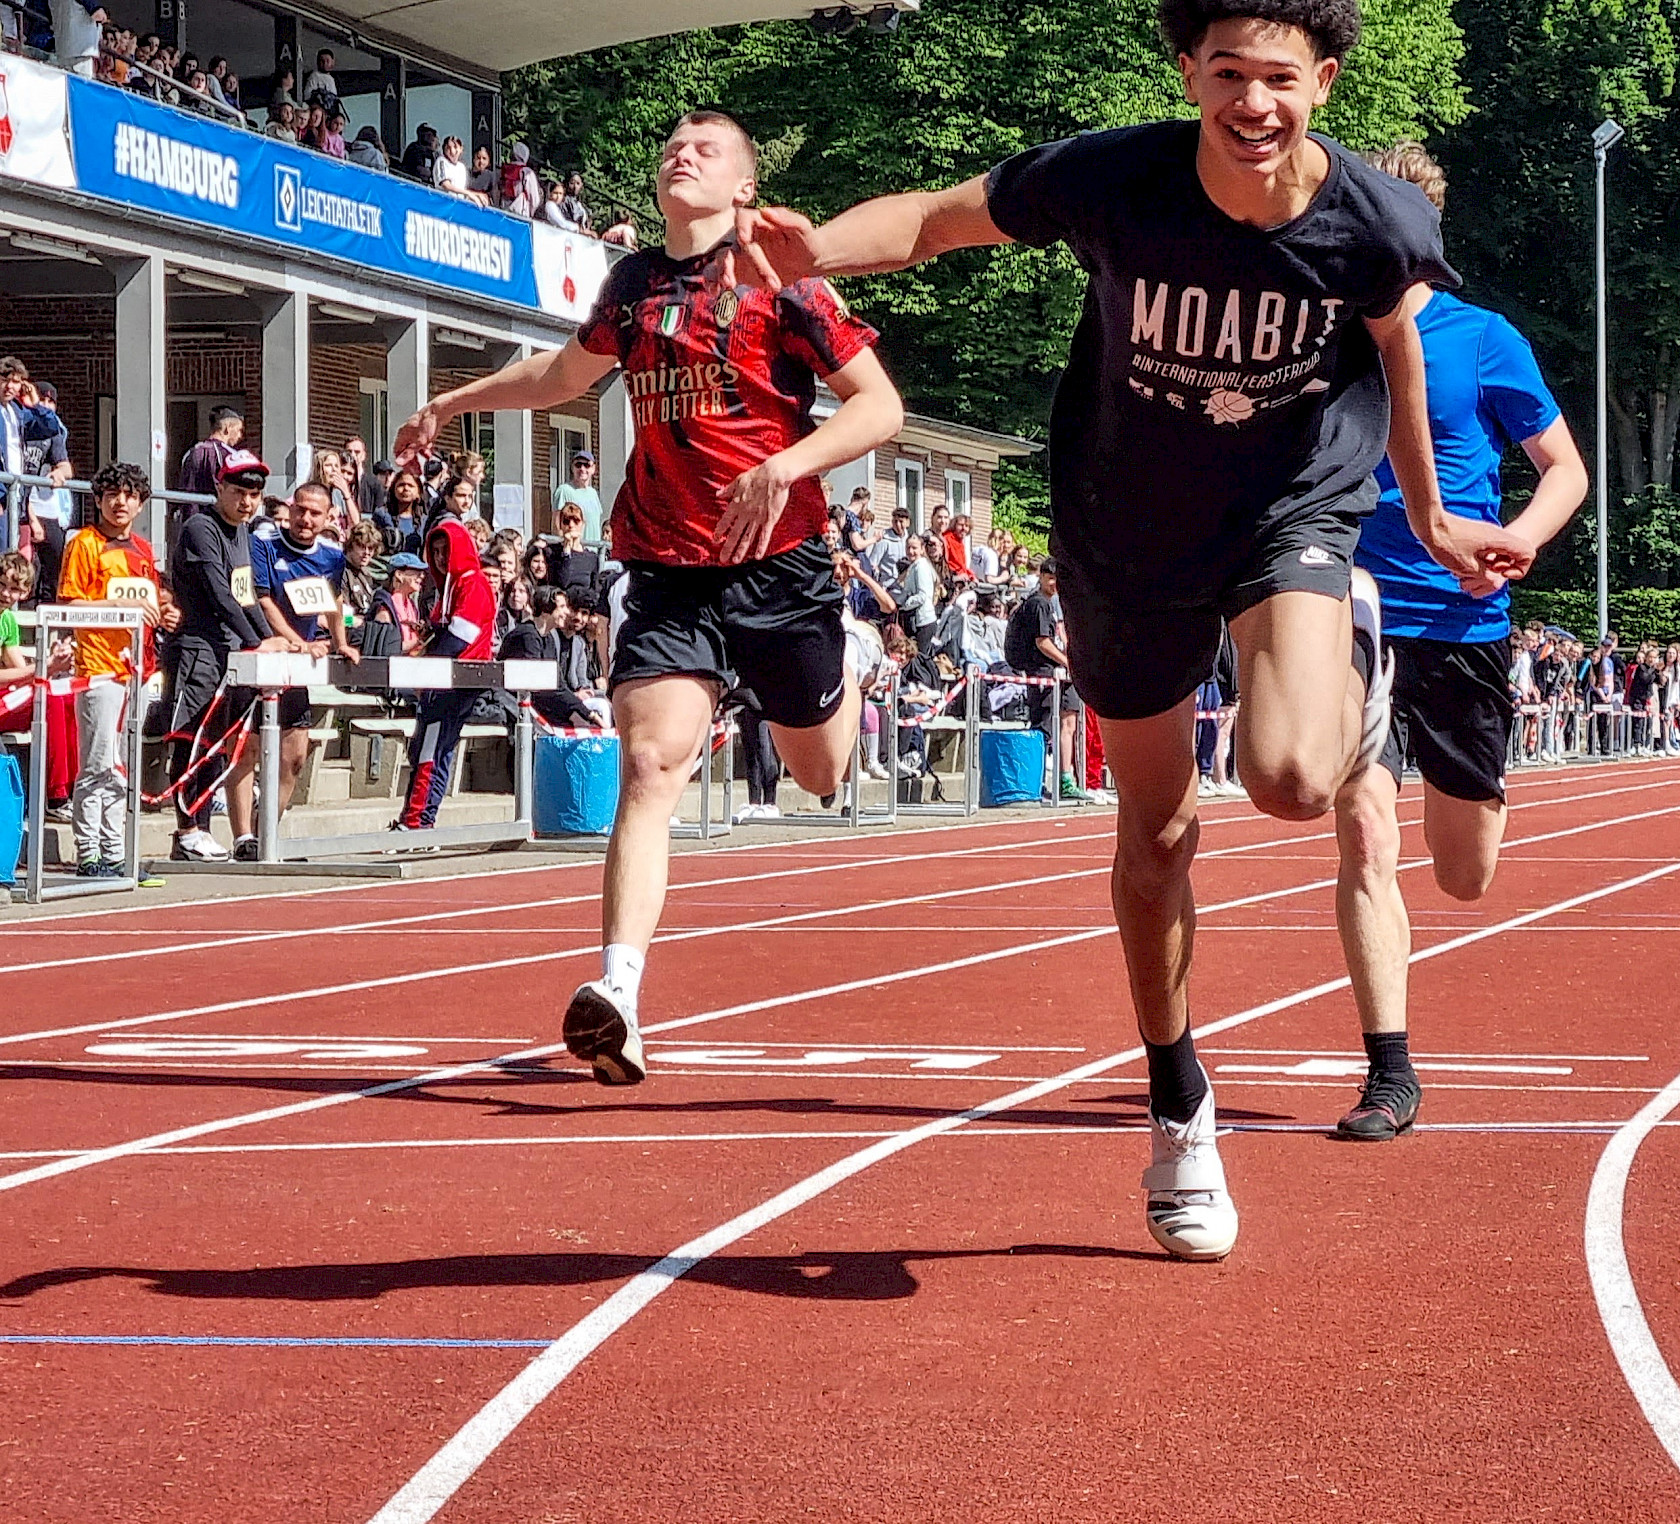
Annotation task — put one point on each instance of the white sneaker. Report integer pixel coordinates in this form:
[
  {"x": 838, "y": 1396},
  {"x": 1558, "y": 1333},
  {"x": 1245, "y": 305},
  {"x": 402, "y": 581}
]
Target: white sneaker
[
  {"x": 1231, "y": 789},
  {"x": 745, "y": 813},
  {"x": 600, "y": 1028},
  {"x": 875, "y": 770},
  {"x": 1190, "y": 1213},
  {"x": 1204, "y": 787},
  {"x": 1367, "y": 616},
  {"x": 769, "y": 812},
  {"x": 198, "y": 846}
]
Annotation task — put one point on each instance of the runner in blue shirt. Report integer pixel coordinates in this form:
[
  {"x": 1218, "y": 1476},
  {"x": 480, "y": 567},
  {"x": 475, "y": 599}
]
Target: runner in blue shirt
[
  {"x": 1450, "y": 643},
  {"x": 299, "y": 581}
]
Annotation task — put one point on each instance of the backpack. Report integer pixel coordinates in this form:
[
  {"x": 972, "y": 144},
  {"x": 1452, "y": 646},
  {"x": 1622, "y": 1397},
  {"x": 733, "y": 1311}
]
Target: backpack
[{"x": 516, "y": 192}]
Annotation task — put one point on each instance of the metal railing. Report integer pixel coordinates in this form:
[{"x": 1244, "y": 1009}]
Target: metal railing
[{"x": 14, "y": 485}]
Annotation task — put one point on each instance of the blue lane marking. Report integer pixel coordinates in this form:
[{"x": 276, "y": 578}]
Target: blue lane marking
[{"x": 276, "y": 1342}]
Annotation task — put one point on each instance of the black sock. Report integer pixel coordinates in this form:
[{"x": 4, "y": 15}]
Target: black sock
[
  {"x": 1388, "y": 1053},
  {"x": 1364, "y": 656},
  {"x": 1176, "y": 1081}
]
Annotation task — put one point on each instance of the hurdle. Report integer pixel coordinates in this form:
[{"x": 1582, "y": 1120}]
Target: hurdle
[
  {"x": 82, "y": 616},
  {"x": 269, "y": 672}
]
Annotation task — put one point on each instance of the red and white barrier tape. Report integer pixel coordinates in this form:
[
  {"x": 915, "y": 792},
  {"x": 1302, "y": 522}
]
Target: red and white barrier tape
[{"x": 23, "y": 694}]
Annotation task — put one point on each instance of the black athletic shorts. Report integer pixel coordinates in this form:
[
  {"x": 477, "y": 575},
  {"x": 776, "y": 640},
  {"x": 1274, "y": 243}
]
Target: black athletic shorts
[
  {"x": 1452, "y": 709},
  {"x": 1134, "y": 655},
  {"x": 768, "y": 631},
  {"x": 194, "y": 671},
  {"x": 1039, "y": 701}
]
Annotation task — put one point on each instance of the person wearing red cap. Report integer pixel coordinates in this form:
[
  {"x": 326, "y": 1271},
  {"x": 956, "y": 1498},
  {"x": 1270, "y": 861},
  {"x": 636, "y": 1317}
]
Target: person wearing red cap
[{"x": 211, "y": 573}]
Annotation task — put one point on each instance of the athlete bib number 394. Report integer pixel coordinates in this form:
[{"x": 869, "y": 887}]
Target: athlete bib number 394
[{"x": 311, "y": 595}]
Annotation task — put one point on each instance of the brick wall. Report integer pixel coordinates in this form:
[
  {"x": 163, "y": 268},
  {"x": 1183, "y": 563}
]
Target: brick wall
[
  {"x": 935, "y": 463},
  {"x": 71, "y": 342}
]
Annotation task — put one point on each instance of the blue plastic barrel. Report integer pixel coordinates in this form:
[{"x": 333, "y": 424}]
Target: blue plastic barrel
[
  {"x": 575, "y": 785},
  {"x": 11, "y": 817},
  {"x": 1011, "y": 767}
]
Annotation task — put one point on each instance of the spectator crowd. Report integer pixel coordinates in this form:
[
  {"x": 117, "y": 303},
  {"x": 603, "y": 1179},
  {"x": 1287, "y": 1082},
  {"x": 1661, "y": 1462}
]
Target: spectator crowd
[{"x": 312, "y": 115}]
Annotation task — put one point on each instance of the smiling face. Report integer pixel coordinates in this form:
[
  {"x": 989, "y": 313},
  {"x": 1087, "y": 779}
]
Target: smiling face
[
  {"x": 705, "y": 170},
  {"x": 1257, "y": 85}
]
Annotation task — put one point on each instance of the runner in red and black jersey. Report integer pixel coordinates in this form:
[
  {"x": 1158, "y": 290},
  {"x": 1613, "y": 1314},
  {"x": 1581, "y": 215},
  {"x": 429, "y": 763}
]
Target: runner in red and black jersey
[{"x": 719, "y": 522}]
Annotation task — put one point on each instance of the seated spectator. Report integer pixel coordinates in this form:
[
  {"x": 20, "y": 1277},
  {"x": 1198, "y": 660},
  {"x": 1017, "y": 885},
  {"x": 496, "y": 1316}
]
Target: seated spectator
[
  {"x": 481, "y": 180},
  {"x": 368, "y": 150},
  {"x": 831, "y": 532},
  {"x": 361, "y": 576},
  {"x": 867, "y": 599},
  {"x": 573, "y": 566},
  {"x": 537, "y": 566},
  {"x": 516, "y": 600},
  {"x": 313, "y": 133},
  {"x": 397, "y": 607},
  {"x": 553, "y": 207},
  {"x": 215, "y": 72},
  {"x": 17, "y": 663},
  {"x": 985, "y": 630},
  {"x": 282, "y": 122},
  {"x": 449, "y": 173},
  {"x": 517, "y": 189},
  {"x": 285, "y": 89},
  {"x": 622, "y": 234},
  {"x": 78, "y": 31},
  {"x": 571, "y": 205},
  {"x": 403, "y": 513},
  {"x": 420, "y": 155},
  {"x": 332, "y": 140},
  {"x": 230, "y": 91},
  {"x": 196, "y": 97},
  {"x": 582, "y": 664},
  {"x": 540, "y": 638},
  {"x": 319, "y": 81}
]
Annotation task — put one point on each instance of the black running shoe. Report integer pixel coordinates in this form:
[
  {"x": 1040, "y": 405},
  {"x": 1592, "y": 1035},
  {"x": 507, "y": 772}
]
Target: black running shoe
[
  {"x": 1388, "y": 1105},
  {"x": 245, "y": 850}
]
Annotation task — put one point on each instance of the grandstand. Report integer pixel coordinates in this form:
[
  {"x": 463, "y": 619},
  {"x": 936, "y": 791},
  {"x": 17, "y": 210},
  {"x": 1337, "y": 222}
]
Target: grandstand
[{"x": 158, "y": 260}]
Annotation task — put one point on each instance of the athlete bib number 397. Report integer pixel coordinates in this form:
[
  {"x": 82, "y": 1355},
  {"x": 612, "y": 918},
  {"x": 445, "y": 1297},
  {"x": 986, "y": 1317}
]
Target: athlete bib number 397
[{"x": 311, "y": 595}]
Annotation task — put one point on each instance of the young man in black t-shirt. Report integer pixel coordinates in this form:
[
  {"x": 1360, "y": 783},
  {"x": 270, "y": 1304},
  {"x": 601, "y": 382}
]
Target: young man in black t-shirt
[
  {"x": 1032, "y": 646},
  {"x": 1211, "y": 450}
]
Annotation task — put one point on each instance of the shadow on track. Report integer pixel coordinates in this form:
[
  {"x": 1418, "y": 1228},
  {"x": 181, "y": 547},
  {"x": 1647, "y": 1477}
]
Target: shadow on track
[{"x": 844, "y": 1276}]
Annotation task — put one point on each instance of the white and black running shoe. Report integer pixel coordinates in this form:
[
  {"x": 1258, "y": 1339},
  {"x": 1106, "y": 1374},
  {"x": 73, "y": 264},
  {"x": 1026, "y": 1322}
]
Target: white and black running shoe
[
  {"x": 1190, "y": 1212},
  {"x": 600, "y": 1028},
  {"x": 1367, "y": 618}
]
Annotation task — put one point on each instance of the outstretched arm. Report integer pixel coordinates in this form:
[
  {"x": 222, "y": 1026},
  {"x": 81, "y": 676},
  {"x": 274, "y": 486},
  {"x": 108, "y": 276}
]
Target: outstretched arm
[
  {"x": 890, "y": 233},
  {"x": 556, "y": 375}
]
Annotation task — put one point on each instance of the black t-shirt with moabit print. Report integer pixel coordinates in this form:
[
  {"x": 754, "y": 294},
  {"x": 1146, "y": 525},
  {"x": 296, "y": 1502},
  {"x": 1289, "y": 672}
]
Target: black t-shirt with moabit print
[{"x": 1220, "y": 381}]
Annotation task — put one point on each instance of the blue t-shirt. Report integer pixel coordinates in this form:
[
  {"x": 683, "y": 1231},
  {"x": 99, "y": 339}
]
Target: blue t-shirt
[
  {"x": 298, "y": 579},
  {"x": 1485, "y": 392}
]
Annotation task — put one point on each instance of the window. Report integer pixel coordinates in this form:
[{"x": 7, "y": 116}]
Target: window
[
  {"x": 376, "y": 417},
  {"x": 570, "y": 436},
  {"x": 957, "y": 493},
  {"x": 909, "y": 474}
]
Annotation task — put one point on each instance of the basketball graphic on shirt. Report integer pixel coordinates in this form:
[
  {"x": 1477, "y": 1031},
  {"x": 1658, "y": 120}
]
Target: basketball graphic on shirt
[{"x": 1226, "y": 406}]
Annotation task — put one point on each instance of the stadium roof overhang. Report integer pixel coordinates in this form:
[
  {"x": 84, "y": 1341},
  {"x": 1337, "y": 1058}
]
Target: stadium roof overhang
[{"x": 496, "y": 35}]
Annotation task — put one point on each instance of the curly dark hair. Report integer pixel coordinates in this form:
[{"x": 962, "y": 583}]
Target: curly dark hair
[
  {"x": 1333, "y": 25},
  {"x": 119, "y": 476}
]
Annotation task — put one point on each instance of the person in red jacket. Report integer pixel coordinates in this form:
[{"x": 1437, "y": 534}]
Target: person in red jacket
[{"x": 462, "y": 625}]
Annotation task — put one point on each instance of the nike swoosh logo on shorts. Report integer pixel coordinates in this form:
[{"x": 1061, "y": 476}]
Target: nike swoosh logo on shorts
[
  {"x": 1316, "y": 555},
  {"x": 829, "y": 698}
]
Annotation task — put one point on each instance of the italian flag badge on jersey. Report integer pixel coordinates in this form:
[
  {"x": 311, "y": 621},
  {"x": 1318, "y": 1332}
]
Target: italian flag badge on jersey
[{"x": 669, "y": 319}]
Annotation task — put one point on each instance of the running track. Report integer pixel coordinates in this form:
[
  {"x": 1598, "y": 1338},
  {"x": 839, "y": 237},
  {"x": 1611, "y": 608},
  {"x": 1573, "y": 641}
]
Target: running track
[{"x": 308, "y": 1217}]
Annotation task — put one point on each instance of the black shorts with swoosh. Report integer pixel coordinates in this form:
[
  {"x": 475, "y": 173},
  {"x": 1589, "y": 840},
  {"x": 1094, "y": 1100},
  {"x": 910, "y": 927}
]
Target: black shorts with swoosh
[{"x": 769, "y": 629}]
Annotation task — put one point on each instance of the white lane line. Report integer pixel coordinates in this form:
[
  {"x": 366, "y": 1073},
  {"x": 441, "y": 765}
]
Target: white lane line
[
  {"x": 1561, "y": 1058},
  {"x": 26, "y": 925},
  {"x": 527, "y": 960},
  {"x": 531, "y": 1055},
  {"x": 1635, "y": 1348},
  {"x": 431, "y": 918},
  {"x": 822, "y": 1134},
  {"x": 416, "y": 921},
  {"x": 430, "y": 1488}
]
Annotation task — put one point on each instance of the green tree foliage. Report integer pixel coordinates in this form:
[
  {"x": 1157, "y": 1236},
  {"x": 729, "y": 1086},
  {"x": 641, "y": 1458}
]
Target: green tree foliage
[{"x": 981, "y": 335}]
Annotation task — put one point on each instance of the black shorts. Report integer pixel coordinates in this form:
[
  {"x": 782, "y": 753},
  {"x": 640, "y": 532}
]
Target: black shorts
[
  {"x": 768, "y": 632},
  {"x": 1134, "y": 656},
  {"x": 1039, "y": 701},
  {"x": 194, "y": 672},
  {"x": 1452, "y": 708}
]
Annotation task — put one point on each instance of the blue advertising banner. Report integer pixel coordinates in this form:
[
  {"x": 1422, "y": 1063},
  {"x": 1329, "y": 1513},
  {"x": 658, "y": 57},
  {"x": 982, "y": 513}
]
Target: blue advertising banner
[{"x": 135, "y": 151}]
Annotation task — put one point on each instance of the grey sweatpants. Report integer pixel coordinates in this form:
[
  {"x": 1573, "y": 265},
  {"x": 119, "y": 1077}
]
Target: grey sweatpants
[{"x": 98, "y": 807}]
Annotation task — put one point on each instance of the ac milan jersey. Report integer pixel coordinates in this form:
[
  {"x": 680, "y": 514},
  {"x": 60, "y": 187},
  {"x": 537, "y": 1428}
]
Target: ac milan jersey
[{"x": 718, "y": 381}]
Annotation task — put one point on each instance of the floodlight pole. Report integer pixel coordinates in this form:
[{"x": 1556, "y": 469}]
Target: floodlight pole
[{"x": 1604, "y": 138}]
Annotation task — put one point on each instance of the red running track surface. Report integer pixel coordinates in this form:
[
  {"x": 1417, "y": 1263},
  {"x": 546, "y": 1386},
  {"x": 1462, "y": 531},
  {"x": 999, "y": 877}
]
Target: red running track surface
[{"x": 892, "y": 1306}]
